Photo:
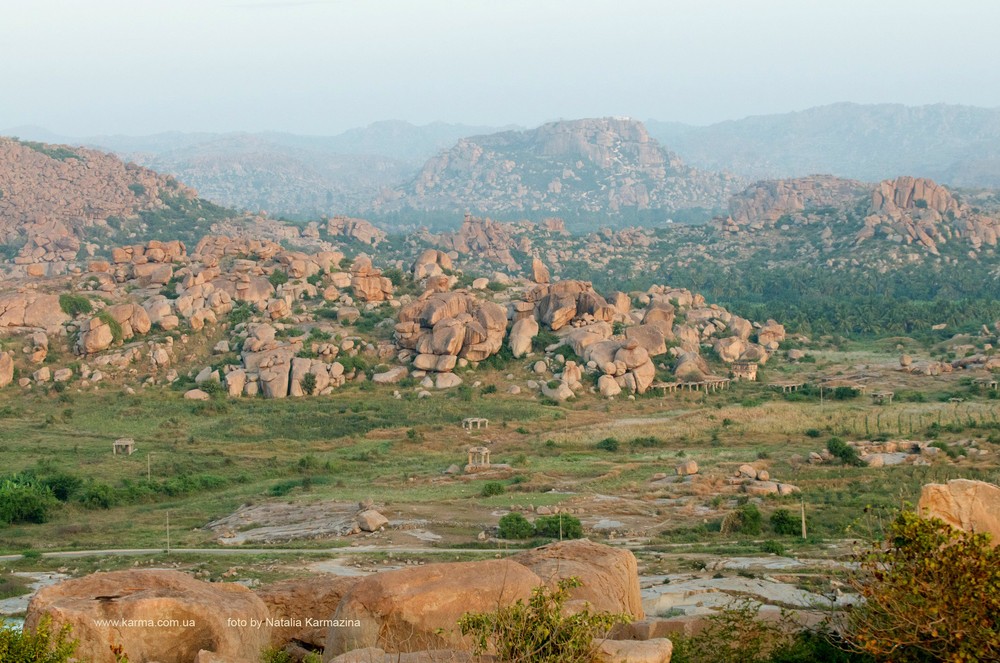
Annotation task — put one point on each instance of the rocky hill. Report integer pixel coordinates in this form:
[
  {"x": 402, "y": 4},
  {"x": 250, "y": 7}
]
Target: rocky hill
[
  {"x": 904, "y": 210},
  {"x": 957, "y": 145},
  {"x": 596, "y": 166},
  {"x": 53, "y": 197},
  {"x": 283, "y": 173}
]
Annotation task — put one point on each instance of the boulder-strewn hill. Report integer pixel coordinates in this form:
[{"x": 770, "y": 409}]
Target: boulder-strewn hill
[
  {"x": 904, "y": 210},
  {"x": 55, "y": 200},
  {"x": 285, "y": 173},
  {"x": 595, "y": 166},
  {"x": 957, "y": 145}
]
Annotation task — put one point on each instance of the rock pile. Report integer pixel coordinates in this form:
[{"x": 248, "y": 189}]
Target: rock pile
[{"x": 441, "y": 328}]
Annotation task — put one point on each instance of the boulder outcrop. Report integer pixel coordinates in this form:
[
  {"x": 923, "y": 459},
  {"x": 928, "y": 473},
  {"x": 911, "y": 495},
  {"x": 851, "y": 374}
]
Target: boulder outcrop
[
  {"x": 418, "y": 608},
  {"x": 146, "y": 598},
  {"x": 973, "y": 506},
  {"x": 609, "y": 576}
]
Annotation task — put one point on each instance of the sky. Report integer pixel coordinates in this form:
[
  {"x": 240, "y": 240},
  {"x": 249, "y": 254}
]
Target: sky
[{"x": 81, "y": 68}]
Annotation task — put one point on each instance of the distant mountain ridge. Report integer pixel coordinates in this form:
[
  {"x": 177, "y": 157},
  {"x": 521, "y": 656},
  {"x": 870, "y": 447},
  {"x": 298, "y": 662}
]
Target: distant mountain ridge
[
  {"x": 956, "y": 145},
  {"x": 604, "y": 166},
  {"x": 280, "y": 172}
]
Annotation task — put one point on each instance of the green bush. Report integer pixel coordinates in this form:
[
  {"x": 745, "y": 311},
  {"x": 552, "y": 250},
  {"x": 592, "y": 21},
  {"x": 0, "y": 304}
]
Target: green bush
[
  {"x": 845, "y": 452},
  {"x": 559, "y": 526},
  {"x": 278, "y": 277},
  {"x": 541, "y": 630},
  {"x": 98, "y": 496},
  {"x": 117, "y": 334},
  {"x": 845, "y": 393},
  {"x": 74, "y": 305},
  {"x": 772, "y": 547},
  {"x": 747, "y": 519},
  {"x": 736, "y": 634},
  {"x": 242, "y": 312},
  {"x": 930, "y": 593},
  {"x": 24, "y": 500},
  {"x": 308, "y": 383},
  {"x": 543, "y": 339},
  {"x": 38, "y": 646},
  {"x": 63, "y": 485},
  {"x": 645, "y": 442},
  {"x": 491, "y": 488},
  {"x": 784, "y": 523},
  {"x": 608, "y": 444},
  {"x": 515, "y": 526}
]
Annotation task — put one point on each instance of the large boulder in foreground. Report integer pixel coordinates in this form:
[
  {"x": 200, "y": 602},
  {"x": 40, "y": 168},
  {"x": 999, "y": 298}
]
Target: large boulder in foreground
[
  {"x": 203, "y": 617},
  {"x": 296, "y": 605},
  {"x": 610, "y": 576},
  {"x": 418, "y": 608},
  {"x": 973, "y": 506}
]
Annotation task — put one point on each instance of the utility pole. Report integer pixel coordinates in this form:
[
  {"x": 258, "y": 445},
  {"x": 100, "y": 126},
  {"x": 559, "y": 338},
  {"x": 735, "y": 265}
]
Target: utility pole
[
  {"x": 168, "y": 532},
  {"x": 802, "y": 505}
]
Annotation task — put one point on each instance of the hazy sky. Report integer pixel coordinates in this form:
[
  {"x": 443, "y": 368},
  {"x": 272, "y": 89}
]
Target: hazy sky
[{"x": 83, "y": 67}]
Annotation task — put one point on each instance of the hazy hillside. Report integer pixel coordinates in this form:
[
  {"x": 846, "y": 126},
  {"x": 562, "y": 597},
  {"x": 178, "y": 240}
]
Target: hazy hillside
[
  {"x": 597, "y": 167},
  {"x": 280, "y": 172},
  {"x": 957, "y": 145},
  {"x": 56, "y": 200}
]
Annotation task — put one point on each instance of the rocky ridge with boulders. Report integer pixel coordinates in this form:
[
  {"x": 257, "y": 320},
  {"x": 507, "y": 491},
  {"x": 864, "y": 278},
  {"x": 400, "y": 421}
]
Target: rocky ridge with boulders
[
  {"x": 606, "y": 166},
  {"x": 906, "y": 210}
]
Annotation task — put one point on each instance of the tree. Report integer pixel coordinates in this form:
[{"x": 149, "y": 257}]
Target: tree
[
  {"x": 783, "y": 522},
  {"x": 931, "y": 593},
  {"x": 559, "y": 526},
  {"x": 745, "y": 520},
  {"x": 540, "y": 631},
  {"x": 515, "y": 526}
]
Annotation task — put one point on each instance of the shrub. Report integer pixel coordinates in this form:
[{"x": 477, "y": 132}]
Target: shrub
[
  {"x": 116, "y": 328},
  {"x": 783, "y": 522},
  {"x": 930, "y": 594},
  {"x": 745, "y": 520},
  {"x": 38, "y": 646},
  {"x": 98, "y": 496},
  {"x": 308, "y": 383},
  {"x": 845, "y": 393},
  {"x": 541, "y": 630},
  {"x": 559, "y": 526},
  {"x": 608, "y": 444},
  {"x": 646, "y": 442},
  {"x": 63, "y": 485},
  {"x": 845, "y": 452},
  {"x": 491, "y": 488},
  {"x": 278, "y": 277},
  {"x": 489, "y": 389},
  {"x": 543, "y": 339},
  {"x": 515, "y": 526},
  {"x": 74, "y": 305},
  {"x": 813, "y": 432},
  {"x": 23, "y": 500},
  {"x": 736, "y": 635},
  {"x": 137, "y": 188},
  {"x": 772, "y": 547},
  {"x": 242, "y": 312}
]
